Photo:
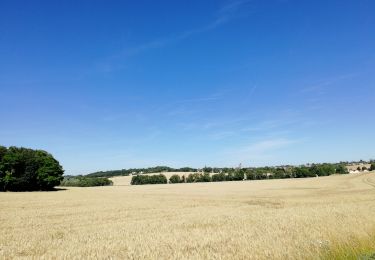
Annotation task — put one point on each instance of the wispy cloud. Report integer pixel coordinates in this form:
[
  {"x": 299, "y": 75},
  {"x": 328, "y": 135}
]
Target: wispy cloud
[
  {"x": 267, "y": 145},
  {"x": 184, "y": 106},
  {"x": 320, "y": 86},
  {"x": 225, "y": 14},
  {"x": 202, "y": 99},
  {"x": 316, "y": 95},
  {"x": 259, "y": 152}
]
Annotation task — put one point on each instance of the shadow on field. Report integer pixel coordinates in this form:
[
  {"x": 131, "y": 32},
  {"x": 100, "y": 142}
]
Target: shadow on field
[
  {"x": 57, "y": 189},
  {"x": 24, "y": 191}
]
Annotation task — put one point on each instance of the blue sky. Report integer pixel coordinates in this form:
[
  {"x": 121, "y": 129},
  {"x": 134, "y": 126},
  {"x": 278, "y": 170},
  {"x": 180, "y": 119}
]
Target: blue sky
[{"x": 117, "y": 84}]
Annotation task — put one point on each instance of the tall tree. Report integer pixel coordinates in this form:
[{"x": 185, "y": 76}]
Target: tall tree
[{"x": 23, "y": 169}]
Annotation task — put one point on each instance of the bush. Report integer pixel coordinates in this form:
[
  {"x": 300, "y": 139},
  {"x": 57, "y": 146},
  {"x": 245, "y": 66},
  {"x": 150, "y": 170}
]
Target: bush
[
  {"x": 23, "y": 169},
  {"x": 218, "y": 177},
  {"x": 303, "y": 172},
  {"x": 250, "y": 175},
  {"x": 198, "y": 177},
  {"x": 372, "y": 167},
  {"x": 80, "y": 181},
  {"x": 175, "y": 179},
  {"x": 261, "y": 176},
  {"x": 205, "y": 178},
  {"x": 229, "y": 176},
  {"x": 341, "y": 169},
  {"x": 238, "y": 175},
  {"x": 322, "y": 170},
  {"x": 279, "y": 173},
  {"x": 149, "y": 179}
]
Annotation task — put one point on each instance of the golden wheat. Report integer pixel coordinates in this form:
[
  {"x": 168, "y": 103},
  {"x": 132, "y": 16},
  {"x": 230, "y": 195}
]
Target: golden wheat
[{"x": 269, "y": 219}]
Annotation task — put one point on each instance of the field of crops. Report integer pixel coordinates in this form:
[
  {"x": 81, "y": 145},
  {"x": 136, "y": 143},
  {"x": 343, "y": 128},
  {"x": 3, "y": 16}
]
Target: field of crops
[{"x": 323, "y": 217}]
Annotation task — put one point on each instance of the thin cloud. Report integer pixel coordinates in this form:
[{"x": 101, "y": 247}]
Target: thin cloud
[
  {"x": 195, "y": 100},
  {"x": 267, "y": 145},
  {"x": 224, "y": 15},
  {"x": 258, "y": 152},
  {"x": 325, "y": 83}
]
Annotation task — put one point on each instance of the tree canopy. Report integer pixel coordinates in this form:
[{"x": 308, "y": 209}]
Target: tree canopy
[{"x": 23, "y": 169}]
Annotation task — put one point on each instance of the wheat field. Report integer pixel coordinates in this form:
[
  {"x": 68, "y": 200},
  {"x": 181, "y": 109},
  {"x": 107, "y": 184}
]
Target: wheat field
[{"x": 314, "y": 218}]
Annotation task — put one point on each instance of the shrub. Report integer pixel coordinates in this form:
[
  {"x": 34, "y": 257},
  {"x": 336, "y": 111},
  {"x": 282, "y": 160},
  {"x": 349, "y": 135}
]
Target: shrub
[
  {"x": 341, "y": 169},
  {"x": 218, "y": 177},
  {"x": 23, "y": 169},
  {"x": 364, "y": 168},
  {"x": 191, "y": 177},
  {"x": 175, "y": 178},
  {"x": 238, "y": 175},
  {"x": 198, "y": 177},
  {"x": 250, "y": 175},
  {"x": 303, "y": 172},
  {"x": 262, "y": 176},
  {"x": 149, "y": 179},
  {"x": 322, "y": 170},
  {"x": 279, "y": 173},
  {"x": 229, "y": 176},
  {"x": 372, "y": 167},
  {"x": 205, "y": 177},
  {"x": 80, "y": 181}
]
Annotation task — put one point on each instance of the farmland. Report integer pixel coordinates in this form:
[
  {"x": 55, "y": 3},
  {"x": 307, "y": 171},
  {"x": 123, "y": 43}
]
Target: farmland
[{"x": 310, "y": 218}]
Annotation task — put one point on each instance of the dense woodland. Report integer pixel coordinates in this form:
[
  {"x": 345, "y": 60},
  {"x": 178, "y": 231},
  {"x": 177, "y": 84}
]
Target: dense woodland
[{"x": 23, "y": 169}]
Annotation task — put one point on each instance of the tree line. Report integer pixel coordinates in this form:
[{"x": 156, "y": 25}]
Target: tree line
[
  {"x": 127, "y": 172},
  {"x": 23, "y": 169},
  {"x": 231, "y": 174},
  {"x": 149, "y": 179},
  {"x": 161, "y": 169},
  {"x": 82, "y": 181}
]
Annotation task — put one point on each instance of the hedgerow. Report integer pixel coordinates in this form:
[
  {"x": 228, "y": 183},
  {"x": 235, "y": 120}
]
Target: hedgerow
[
  {"x": 231, "y": 174},
  {"x": 149, "y": 179},
  {"x": 81, "y": 181}
]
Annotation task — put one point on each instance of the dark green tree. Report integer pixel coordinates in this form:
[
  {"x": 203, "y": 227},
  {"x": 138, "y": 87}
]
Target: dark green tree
[
  {"x": 303, "y": 172},
  {"x": 149, "y": 179},
  {"x": 23, "y": 169},
  {"x": 218, "y": 177},
  {"x": 341, "y": 169},
  {"x": 239, "y": 175},
  {"x": 175, "y": 178},
  {"x": 322, "y": 170},
  {"x": 205, "y": 177}
]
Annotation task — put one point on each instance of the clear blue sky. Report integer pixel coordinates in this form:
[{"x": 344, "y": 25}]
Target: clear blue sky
[{"x": 118, "y": 84}]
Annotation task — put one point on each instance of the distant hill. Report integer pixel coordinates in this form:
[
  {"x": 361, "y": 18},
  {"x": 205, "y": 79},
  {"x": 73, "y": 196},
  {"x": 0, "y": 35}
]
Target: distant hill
[
  {"x": 126, "y": 172},
  {"x": 267, "y": 169}
]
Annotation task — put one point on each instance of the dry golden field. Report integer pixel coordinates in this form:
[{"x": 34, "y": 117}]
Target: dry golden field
[{"x": 313, "y": 218}]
